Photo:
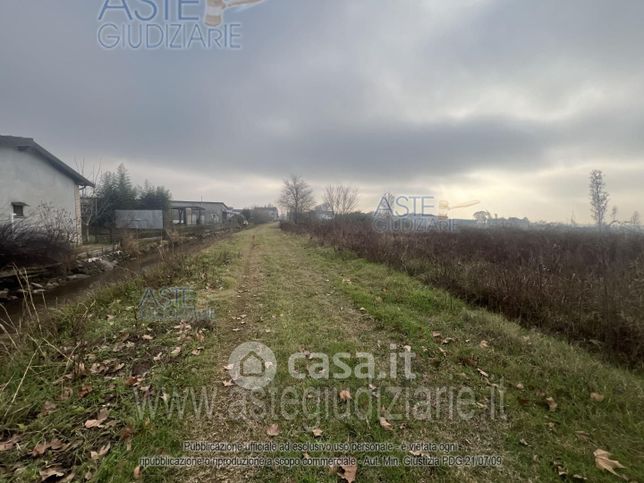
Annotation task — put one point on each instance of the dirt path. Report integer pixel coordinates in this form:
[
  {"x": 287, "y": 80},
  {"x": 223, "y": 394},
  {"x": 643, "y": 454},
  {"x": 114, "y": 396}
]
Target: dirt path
[
  {"x": 294, "y": 297},
  {"x": 363, "y": 362}
]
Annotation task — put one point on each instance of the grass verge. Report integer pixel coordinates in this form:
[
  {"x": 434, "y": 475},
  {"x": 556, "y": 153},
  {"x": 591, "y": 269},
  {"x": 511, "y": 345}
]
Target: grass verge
[{"x": 72, "y": 390}]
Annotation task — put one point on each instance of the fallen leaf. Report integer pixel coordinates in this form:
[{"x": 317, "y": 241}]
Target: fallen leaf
[
  {"x": 484, "y": 344},
  {"x": 229, "y": 367},
  {"x": 385, "y": 424},
  {"x": 84, "y": 391},
  {"x": 603, "y": 461},
  {"x": 8, "y": 444},
  {"x": 317, "y": 432},
  {"x": 66, "y": 393},
  {"x": 273, "y": 430},
  {"x": 483, "y": 373},
  {"x": 147, "y": 337},
  {"x": 131, "y": 381},
  {"x": 56, "y": 444},
  {"x": 595, "y": 396},
  {"x": 523, "y": 442},
  {"x": 552, "y": 405},
  {"x": 96, "y": 455},
  {"x": 176, "y": 352},
  {"x": 47, "y": 408},
  {"x": 100, "y": 419},
  {"x": 348, "y": 473},
  {"x": 519, "y": 386},
  {"x": 345, "y": 395},
  {"x": 407, "y": 348},
  {"x": 228, "y": 383},
  {"x": 137, "y": 473},
  {"x": 55, "y": 471},
  {"x": 127, "y": 433},
  {"x": 561, "y": 470},
  {"x": 40, "y": 449}
]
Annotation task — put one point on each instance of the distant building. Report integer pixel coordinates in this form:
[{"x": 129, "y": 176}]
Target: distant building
[
  {"x": 32, "y": 177},
  {"x": 264, "y": 214},
  {"x": 323, "y": 212},
  {"x": 200, "y": 212}
]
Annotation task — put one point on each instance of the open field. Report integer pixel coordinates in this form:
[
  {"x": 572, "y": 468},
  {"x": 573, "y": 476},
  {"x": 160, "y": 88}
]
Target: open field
[
  {"x": 586, "y": 286},
  {"x": 69, "y": 394}
]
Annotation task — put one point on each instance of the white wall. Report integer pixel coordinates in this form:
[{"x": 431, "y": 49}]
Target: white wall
[{"x": 27, "y": 178}]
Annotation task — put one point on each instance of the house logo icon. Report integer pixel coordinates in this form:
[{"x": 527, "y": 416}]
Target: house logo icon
[
  {"x": 252, "y": 365},
  {"x": 214, "y": 15}
]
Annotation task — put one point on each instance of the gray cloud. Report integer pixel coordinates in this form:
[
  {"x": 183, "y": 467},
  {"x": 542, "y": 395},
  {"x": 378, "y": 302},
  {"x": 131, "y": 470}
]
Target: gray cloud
[{"x": 369, "y": 92}]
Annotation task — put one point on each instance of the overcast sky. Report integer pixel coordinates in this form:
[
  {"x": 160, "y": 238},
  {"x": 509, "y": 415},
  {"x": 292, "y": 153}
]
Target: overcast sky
[{"x": 508, "y": 102}]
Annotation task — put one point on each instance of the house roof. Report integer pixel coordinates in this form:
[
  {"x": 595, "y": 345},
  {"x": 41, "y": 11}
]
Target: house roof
[
  {"x": 182, "y": 203},
  {"x": 24, "y": 144}
]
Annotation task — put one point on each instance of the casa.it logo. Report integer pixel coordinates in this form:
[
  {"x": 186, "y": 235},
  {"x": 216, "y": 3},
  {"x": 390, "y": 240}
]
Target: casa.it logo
[
  {"x": 252, "y": 365},
  {"x": 170, "y": 24}
]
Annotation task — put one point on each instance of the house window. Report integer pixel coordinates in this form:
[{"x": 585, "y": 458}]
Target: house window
[{"x": 18, "y": 210}]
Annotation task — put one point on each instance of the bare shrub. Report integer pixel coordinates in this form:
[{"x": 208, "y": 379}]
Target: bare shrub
[
  {"x": 588, "y": 286},
  {"x": 130, "y": 244},
  {"x": 48, "y": 238}
]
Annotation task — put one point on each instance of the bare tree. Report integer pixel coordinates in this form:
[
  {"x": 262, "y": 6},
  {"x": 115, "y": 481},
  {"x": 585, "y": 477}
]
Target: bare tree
[
  {"x": 598, "y": 197},
  {"x": 92, "y": 206},
  {"x": 296, "y": 197},
  {"x": 341, "y": 199},
  {"x": 635, "y": 218},
  {"x": 614, "y": 216}
]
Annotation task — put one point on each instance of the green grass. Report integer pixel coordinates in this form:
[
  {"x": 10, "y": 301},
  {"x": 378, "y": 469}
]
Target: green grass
[
  {"x": 292, "y": 295},
  {"x": 104, "y": 327}
]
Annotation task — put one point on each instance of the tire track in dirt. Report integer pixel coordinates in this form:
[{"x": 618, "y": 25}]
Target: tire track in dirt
[{"x": 239, "y": 325}]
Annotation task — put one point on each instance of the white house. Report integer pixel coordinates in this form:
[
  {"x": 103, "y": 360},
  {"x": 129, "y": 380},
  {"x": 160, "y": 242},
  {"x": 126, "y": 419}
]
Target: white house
[{"x": 31, "y": 177}]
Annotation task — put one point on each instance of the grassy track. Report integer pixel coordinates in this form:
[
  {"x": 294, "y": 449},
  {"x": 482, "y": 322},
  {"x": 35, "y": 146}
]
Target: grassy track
[
  {"x": 296, "y": 296},
  {"x": 291, "y": 295}
]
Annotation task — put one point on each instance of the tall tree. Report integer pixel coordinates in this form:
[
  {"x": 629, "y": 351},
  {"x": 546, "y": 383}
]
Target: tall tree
[
  {"x": 598, "y": 198},
  {"x": 341, "y": 199},
  {"x": 296, "y": 197},
  {"x": 154, "y": 197},
  {"x": 125, "y": 192}
]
